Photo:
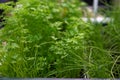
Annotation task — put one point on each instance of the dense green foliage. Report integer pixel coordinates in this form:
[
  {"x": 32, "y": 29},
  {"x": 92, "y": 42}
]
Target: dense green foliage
[{"x": 49, "y": 39}]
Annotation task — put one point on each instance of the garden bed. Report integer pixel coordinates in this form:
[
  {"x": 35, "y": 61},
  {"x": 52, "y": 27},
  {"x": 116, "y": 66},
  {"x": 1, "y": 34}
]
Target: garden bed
[{"x": 48, "y": 38}]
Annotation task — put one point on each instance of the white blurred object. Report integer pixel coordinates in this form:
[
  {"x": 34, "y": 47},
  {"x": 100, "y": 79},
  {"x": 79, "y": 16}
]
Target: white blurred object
[
  {"x": 97, "y": 19},
  {"x": 93, "y": 16}
]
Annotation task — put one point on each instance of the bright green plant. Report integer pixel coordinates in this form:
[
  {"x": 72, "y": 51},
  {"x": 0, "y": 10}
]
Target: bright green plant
[
  {"x": 99, "y": 56},
  {"x": 71, "y": 49},
  {"x": 47, "y": 38},
  {"x": 112, "y": 40},
  {"x": 29, "y": 33}
]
